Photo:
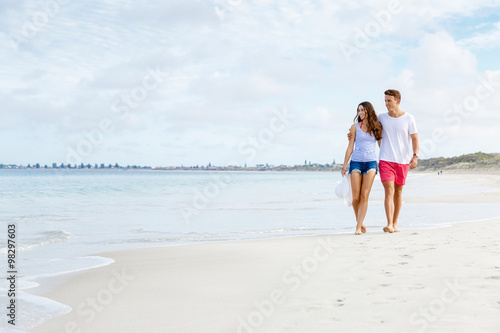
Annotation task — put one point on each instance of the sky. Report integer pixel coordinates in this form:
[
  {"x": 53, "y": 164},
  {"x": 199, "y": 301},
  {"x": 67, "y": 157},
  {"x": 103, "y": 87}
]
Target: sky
[{"x": 240, "y": 82}]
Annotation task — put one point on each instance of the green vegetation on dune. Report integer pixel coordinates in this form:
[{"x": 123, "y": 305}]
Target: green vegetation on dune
[{"x": 464, "y": 162}]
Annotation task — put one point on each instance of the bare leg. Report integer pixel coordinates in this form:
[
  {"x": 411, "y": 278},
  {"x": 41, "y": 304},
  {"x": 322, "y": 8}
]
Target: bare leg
[
  {"x": 389, "y": 205},
  {"x": 356, "y": 182},
  {"x": 366, "y": 186},
  {"x": 398, "y": 202}
]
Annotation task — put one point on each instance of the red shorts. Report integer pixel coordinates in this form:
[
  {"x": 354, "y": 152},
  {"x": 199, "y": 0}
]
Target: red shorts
[{"x": 393, "y": 172}]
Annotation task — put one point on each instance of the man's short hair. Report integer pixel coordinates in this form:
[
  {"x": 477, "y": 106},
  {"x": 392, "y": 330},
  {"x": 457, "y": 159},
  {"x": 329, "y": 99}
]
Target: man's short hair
[{"x": 393, "y": 92}]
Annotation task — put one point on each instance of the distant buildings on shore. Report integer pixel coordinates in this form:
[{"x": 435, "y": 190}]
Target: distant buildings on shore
[
  {"x": 474, "y": 161},
  {"x": 259, "y": 167}
]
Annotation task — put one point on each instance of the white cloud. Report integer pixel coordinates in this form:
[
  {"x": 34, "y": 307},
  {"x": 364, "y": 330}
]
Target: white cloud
[
  {"x": 439, "y": 62},
  {"x": 487, "y": 40}
]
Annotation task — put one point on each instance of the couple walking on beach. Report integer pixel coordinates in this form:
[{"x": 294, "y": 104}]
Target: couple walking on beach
[{"x": 396, "y": 133}]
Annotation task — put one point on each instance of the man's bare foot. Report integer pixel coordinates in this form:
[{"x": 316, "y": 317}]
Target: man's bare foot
[
  {"x": 363, "y": 228},
  {"x": 388, "y": 229}
]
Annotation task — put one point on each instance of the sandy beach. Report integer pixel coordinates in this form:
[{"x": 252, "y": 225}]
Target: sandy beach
[{"x": 428, "y": 280}]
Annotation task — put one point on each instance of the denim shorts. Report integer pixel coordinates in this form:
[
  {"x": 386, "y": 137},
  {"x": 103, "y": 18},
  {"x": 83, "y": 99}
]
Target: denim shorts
[{"x": 363, "y": 167}]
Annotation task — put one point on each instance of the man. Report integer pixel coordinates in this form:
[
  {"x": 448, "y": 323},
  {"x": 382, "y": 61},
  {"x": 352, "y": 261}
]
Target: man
[{"x": 398, "y": 153}]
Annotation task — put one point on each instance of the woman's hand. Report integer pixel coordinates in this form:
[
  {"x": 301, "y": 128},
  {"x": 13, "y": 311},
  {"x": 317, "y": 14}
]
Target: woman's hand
[{"x": 343, "y": 171}]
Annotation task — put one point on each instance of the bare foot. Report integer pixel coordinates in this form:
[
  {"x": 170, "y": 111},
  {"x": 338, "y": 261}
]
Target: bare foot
[
  {"x": 359, "y": 232},
  {"x": 363, "y": 228},
  {"x": 388, "y": 229},
  {"x": 396, "y": 229}
]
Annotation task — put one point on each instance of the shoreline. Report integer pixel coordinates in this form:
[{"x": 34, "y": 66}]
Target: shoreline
[
  {"x": 49, "y": 282},
  {"x": 304, "y": 280}
]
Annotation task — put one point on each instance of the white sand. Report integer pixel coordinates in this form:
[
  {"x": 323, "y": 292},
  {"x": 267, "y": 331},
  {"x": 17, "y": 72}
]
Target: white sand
[{"x": 435, "y": 280}]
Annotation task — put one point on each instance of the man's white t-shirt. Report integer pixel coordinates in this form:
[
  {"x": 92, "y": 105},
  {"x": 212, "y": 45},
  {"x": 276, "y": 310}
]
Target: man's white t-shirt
[{"x": 396, "y": 145}]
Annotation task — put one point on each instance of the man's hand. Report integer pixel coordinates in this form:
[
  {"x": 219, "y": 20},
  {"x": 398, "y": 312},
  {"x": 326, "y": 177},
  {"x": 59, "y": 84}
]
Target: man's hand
[{"x": 414, "y": 162}]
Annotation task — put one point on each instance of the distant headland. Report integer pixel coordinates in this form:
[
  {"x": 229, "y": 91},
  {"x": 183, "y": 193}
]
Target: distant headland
[{"x": 476, "y": 161}]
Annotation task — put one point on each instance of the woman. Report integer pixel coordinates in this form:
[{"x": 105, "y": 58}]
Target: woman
[{"x": 366, "y": 131}]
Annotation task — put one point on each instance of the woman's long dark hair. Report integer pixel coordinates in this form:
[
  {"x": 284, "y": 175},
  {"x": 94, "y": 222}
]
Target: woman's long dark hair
[{"x": 374, "y": 126}]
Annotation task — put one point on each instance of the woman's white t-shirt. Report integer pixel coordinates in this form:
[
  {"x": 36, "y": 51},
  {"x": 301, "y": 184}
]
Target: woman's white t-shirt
[{"x": 396, "y": 145}]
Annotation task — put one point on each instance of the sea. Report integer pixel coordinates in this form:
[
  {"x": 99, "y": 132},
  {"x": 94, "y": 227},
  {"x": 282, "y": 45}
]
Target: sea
[{"x": 63, "y": 219}]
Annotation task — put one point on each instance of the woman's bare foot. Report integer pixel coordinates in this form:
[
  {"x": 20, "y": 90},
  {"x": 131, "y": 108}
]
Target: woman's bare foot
[
  {"x": 388, "y": 229},
  {"x": 363, "y": 228},
  {"x": 396, "y": 229},
  {"x": 358, "y": 232}
]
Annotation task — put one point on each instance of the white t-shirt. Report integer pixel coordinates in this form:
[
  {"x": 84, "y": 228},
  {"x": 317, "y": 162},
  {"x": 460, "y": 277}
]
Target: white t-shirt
[{"x": 396, "y": 145}]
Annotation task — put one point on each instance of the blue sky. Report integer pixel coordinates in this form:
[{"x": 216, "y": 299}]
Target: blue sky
[{"x": 240, "y": 82}]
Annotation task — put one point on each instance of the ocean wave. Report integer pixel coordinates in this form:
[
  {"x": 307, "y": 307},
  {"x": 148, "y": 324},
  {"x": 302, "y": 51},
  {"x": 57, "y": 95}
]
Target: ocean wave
[
  {"x": 145, "y": 231},
  {"x": 72, "y": 265},
  {"x": 34, "y": 310},
  {"x": 40, "y": 239}
]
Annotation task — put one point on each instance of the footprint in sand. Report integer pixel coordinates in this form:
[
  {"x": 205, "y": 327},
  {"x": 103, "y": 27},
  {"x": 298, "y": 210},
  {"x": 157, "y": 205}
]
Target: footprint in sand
[
  {"x": 311, "y": 308},
  {"x": 416, "y": 287},
  {"x": 340, "y": 302}
]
